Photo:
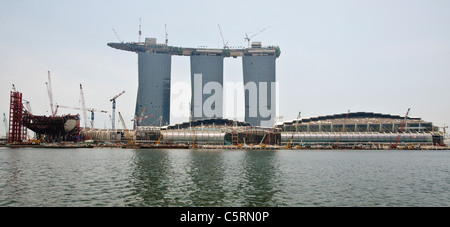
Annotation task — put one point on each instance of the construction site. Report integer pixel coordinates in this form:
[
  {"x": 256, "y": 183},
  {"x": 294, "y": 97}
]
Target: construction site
[{"x": 357, "y": 130}]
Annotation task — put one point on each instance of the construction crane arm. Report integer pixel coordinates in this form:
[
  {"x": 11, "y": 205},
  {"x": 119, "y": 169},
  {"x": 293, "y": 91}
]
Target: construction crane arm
[
  {"x": 117, "y": 96},
  {"x": 260, "y": 32},
  {"x": 78, "y": 108},
  {"x": 127, "y": 134},
  {"x": 117, "y": 35},
  {"x": 225, "y": 45},
  {"x": 140, "y": 118},
  {"x": 249, "y": 38},
  {"x": 50, "y": 94},
  {"x": 28, "y": 106},
  {"x": 83, "y": 106},
  {"x": 401, "y": 129},
  {"x": 113, "y": 100}
]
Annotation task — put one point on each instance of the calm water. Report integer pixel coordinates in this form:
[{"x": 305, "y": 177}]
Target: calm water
[{"x": 119, "y": 177}]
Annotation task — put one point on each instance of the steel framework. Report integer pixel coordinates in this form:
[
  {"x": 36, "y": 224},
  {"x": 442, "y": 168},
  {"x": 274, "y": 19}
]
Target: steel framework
[{"x": 17, "y": 132}]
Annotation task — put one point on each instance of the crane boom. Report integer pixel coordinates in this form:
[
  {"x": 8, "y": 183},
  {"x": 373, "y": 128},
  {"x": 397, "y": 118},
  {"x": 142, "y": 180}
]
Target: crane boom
[
  {"x": 140, "y": 118},
  {"x": 78, "y": 108},
  {"x": 117, "y": 96},
  {"x": 28, "y": 106},
  {"x": 127, "y": 134},
  {"x": 249, "y": 38},
  {"x": 401, "y": 129},
  {"x": 83, "y": 106},
  {"x": 225, "y": 45},
  {"x": 113, "y": 118},
  {"x": 50, "y": 94},
  {"x": 117, "y": 35}
]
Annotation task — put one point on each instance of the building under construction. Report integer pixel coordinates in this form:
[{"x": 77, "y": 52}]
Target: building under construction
[
  {"x": 339, "y": 130},
  {"x": 360, "y": 128},
  {"x": 153, "y": 104},
  {"x": 216, "y": 131},
  {"x": 53, "y": 128},
  {"x": 154, "y": 64}
]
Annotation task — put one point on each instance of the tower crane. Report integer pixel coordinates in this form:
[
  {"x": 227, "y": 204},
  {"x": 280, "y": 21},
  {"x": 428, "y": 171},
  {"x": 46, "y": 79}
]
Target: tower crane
[
  {"x": 249, "y": 38},
  {"x": 225, "y": 45},
  {"x": 113, "y": 100},
  {"x": 92, "y": 110},
  {"x": 50, "y": 94}
]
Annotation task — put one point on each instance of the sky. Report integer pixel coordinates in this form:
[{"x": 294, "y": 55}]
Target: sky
[{"x": 382, "y": 56}]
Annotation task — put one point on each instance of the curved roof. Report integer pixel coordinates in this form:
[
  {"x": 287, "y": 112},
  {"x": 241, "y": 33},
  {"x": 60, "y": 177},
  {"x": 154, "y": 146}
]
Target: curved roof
[
  {"x": 356, "y": 117},
  {"x": 217, "y": 122}
]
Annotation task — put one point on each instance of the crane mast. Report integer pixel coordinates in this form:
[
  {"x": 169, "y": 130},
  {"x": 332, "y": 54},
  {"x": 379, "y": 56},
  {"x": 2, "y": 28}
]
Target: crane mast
[
  {"x": 167, "y": 35},
  {"x": 140, "y": 32}
]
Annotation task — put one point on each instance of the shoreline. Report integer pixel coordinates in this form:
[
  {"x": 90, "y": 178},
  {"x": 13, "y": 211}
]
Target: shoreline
[{"x": 216, "y": 147}]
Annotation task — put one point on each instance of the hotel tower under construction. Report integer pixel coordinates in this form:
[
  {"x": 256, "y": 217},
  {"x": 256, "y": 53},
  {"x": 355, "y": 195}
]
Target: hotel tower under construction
[{"x": 154, "y": 62}]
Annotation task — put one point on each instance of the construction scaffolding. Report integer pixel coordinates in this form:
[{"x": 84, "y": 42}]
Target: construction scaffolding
[{"x": 17, "y": 131}]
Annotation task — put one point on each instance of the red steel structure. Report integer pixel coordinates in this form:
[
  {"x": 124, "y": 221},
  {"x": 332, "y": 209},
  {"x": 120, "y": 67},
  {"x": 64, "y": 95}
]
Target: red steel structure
[{"x": 17, "y": 131}]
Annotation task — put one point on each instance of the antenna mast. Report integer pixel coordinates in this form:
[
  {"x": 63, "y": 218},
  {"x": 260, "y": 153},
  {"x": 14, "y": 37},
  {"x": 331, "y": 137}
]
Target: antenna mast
[
  {"x": 167, "y": 35},
  {"x": 140, "y": 32}
]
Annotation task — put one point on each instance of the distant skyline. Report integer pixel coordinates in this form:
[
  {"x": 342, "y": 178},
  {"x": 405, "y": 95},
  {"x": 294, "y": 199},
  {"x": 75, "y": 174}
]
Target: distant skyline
[{"x": 364, "y": 56}]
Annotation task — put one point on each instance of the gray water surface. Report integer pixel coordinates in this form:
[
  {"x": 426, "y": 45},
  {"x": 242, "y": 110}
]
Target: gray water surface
[{"x": 121, "y": 177}]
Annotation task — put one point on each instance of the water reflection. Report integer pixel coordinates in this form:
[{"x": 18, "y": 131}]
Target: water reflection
[
  {"x": 260, "y": 183},
  {"x": 206, "y": 178},
  {"x": 206, "y": 171},
  {"x": 14, "y": 184},
  {"x": 150, "y": 178},
  {"x": 116, "y": 177}
]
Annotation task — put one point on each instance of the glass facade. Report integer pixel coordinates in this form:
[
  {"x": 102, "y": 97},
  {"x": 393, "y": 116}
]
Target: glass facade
[
  {"x": 259, "y": 69},
  {"x": 154, "y": 87},
  {"x": 206, "y": 102}
]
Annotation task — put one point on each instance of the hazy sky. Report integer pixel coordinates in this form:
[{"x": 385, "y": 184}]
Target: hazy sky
[{"x": 379, "y": 56}]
